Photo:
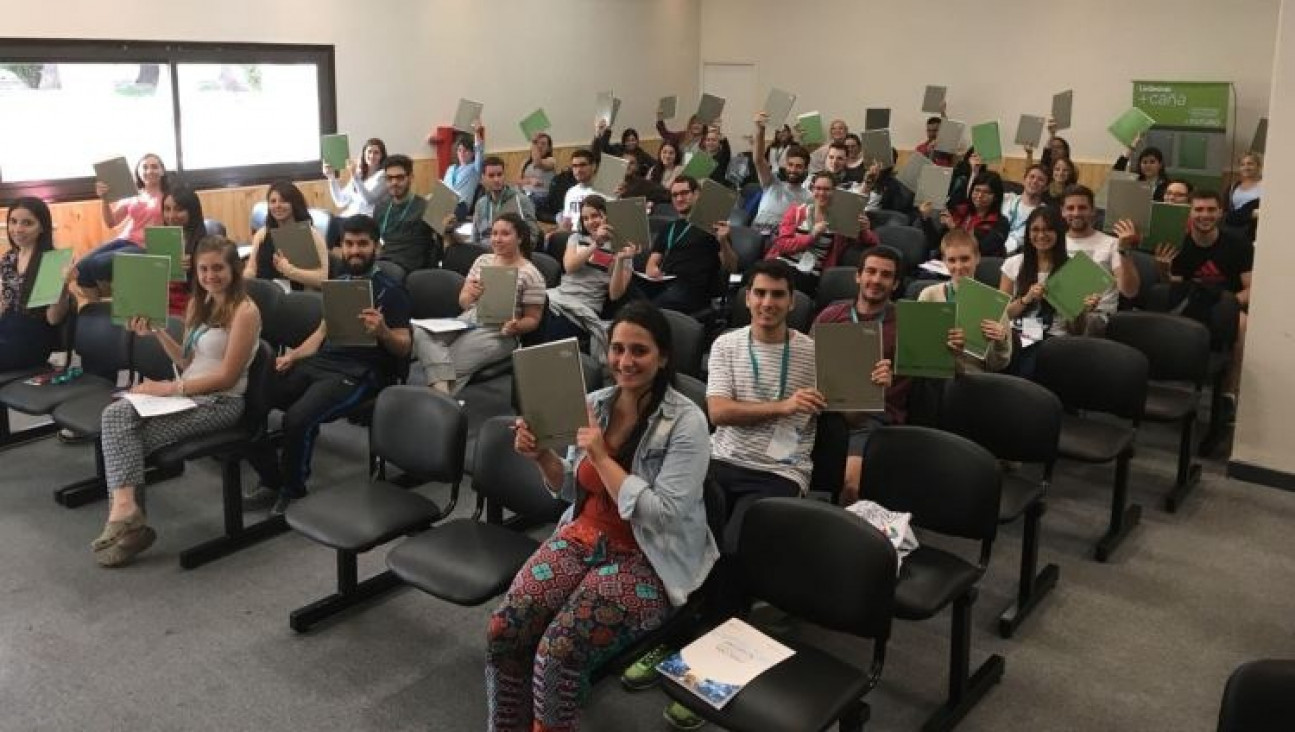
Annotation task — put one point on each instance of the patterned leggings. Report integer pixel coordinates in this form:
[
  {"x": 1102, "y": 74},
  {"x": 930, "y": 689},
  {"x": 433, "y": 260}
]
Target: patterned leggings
[
  {"x": 129, "y": 438},
  {"x": 569, "y": 609}
]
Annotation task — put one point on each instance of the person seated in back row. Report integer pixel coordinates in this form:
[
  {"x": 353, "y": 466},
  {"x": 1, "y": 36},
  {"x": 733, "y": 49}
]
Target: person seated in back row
[
  {"x": 496, "y": 195},
  {"x": 691, "y": 257},
  {"x": 464, "y": 175},
  {"x": 406, "y": 239},
  {"x": 285, "y": 206},
  {"x": 777, "y": 195},
  {"x": 981, "y": 215},
  {"x": 804, "y": 241},
  {"x": 318, "y": 381}
]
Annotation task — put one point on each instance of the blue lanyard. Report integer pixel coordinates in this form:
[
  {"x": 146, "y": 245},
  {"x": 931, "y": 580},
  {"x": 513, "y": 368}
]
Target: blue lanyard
[
  {"x": 755, "y": 365},
  {"x": 191, "y": 342},
  {"x": 854, "y": 315},
  {"x": 675, "y": 235}
]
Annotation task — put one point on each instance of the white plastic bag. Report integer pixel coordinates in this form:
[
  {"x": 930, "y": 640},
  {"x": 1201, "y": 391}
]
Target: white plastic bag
[{"x": 894, "y": 525}]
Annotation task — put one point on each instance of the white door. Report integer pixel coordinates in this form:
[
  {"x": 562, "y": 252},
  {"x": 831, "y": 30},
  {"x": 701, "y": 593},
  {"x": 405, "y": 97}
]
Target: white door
[{"x": 735, "y": 83}]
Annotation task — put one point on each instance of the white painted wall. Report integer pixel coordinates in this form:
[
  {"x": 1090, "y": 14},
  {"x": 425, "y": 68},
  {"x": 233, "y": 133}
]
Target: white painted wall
[
  {"x": 403, "y": 64},
  {"x": 999, "y": 58},
  {"x": 1264, "y": 436}
]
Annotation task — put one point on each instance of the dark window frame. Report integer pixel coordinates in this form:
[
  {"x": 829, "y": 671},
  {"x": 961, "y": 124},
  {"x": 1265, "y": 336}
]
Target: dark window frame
[{"x": 171, "y": 53}]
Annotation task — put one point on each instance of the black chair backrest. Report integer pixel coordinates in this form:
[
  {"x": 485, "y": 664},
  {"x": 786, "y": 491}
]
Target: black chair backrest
[
  {"x": 260, "y": 384},
  {"x": 266, "y": 294},
  {"x": 836, "y": 283},
  {"x": 739, "y": 314},
  {"x": 950, "y": 484},
  {"x": 914, "y": 288},
  {"x": 886, "y": 217},
  {"x": 392, "y": 270},
  {"x": 831, "y": 445},
  {"x": 1148, "y": 273},
  {"x": 1177, "y": 348},
  {"x": 296, "y": 316},
  {"x": 694, "y": 389},
  {"x": 821, "y": 563},
  {"x": 593, "y": 373},
  {"x": 1094, "y": 374},
  {"x": 434, "y": 293},
  {"x": 801, "y": 317},
  {"x": 549, "y": 267},
  {"x": 104, "y": 346},
  {"x": 421, "y": 431},
  {"x": 716, "y": 505},
  {"x": 149, "y": 360},
  {"x": 507, "y": 479},
  {"x": 747, "y": 244},
  {"x": 459, "y": 258},
  {"x": 686, "y": 335},
  {"x": 214, "y": 227},
  {"x": 1011, "y": 417},
  {"x": 990, "y": 271},
  {"x": 909, "y": 241},
  {"x": 1259, "y": 697}
]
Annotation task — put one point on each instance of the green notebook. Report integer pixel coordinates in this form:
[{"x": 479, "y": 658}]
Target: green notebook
[
  {"x": 1129, "y": 125},
  {"x": 1193, "y": 151},
  {"x": 1168, "y": 225},
  {"x": 50, "y": 278},
  {"x": 139, "y": 287},
  {"x": 700, "y": 165},
  {"x": 811, "y": 128},
  {"x": 988, "y": 142},
  {"x": 167, "y": 241},
  {"x": 977, "y": 301},
  {"x": 335, "y": 150},
  {"x": 922, "y": 342},
  {"x": 535, "y": 123},
  {"x": 1078, "y": 278}
]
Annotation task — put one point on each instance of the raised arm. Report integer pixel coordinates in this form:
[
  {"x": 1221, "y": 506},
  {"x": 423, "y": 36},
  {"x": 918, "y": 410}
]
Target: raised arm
[{"x": 763, "y": 172}]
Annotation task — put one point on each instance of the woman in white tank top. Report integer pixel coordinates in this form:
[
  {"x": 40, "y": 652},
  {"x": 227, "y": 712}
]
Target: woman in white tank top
[{"x": 222, "y": 330}]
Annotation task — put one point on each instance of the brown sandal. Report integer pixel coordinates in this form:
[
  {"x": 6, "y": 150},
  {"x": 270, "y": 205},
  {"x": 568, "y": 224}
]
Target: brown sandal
[
  {"x": 113, "y": 530},
  {"x": 128, "y": 545}
]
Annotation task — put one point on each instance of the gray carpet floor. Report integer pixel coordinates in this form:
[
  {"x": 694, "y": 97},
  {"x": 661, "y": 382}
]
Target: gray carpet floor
[{"x": 1142, "y": 643}]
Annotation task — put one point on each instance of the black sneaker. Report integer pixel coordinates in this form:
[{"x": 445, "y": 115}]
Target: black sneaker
[
  {"x": 282, "y": 500},
  {"x": 262, "y": 496}
]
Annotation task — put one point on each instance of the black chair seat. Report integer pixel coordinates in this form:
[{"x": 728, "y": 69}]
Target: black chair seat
[
  {"x": 358, "y": 519},
  {"x": 1093, "y": 442},
  {"x": 929, "y": 579},
  {"x": 208, "y": 445},
  {"x": 30, "y": 399},
  {"x": 84, "y": 414},
  {"x": 805, "y": 692},
  {"x": 21, "y": 374},
  {"x": 1169, "y": 403},
  {"x": 465, "y": 562},
  {"x": 1018, "y": 494}
]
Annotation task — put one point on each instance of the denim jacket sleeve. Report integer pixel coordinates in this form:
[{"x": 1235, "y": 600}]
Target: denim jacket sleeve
[{"x": 656, "y": 501}]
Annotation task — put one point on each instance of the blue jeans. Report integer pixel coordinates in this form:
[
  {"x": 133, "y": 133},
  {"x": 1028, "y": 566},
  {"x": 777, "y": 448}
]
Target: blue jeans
[{"x": 96, "y": 266}]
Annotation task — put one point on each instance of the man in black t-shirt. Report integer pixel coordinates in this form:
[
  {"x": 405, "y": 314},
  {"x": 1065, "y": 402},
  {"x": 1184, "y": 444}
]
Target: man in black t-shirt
[
  {"x": 1208, "y": 262},
  {"x": 318, "y": 381},
  {"x": 694, "y": 257}
]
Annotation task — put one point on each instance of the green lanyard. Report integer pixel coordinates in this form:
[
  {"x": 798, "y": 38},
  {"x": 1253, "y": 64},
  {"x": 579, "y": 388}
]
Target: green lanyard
[
  {"x": 755, "y": 365},
  {"x": 675, "y": 235},
  {"x": 387, "y": 216},
  {"x": 854, "y": 315}
]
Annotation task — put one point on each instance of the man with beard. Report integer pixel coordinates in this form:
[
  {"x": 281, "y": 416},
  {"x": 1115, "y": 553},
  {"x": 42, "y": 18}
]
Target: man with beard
[
  {"x": 496, "y": 196},
  {"x": 318, "y": 382},
  {"x": 1108, "y": 251},
  {"x": 406, "y": 239},
  {"x": 778, "y": 195},
  {"x": 686, "y": 261}
]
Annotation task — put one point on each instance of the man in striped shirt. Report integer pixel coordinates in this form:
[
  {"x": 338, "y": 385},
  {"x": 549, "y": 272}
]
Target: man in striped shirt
[{"x": 761, "y": 397}]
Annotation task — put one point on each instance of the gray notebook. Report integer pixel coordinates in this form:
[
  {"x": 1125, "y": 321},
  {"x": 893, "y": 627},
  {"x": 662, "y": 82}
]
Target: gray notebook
[
  {"x": 551, "y": 391},
  {"x": 933, "y": 186},
  {"x": 1259, "y": 142},
  {"x": 604, "y": 107},
  {"x": 117, "y": 174},
  {"x": 512, "y": 206},
  {"x": 950, "y": 138},
  {"x": 878, "y": 148},
  {"x": 498, "y": 302},
  {"x": 296, "y": 241},
  {"x": 667, "y": 107},
  {"x": 440, "y": 203},
  {"x": 467, "y": 113},
  {"x": 844, "y": 356},
  {"x": 714, "y": 204},
  {"x": 628, "y": 218},
  {"x": 710, "y": 108},
  {"x": 843, "y": 213},
  {"x": 876, "y": 118},
  {"x": 343, "y": 302},
  {"x": 610, "y": 175},
  {"x": 911, "y": 172},
  {"x": 1103, "y": 191},
  {"x": 778, "y": 105},
  {"x": 1062, "y": 105},
  {"x": 1128, "y": 199},
  {"x": 1029, "y": 131},
  {"x": 933, "y": 99}
]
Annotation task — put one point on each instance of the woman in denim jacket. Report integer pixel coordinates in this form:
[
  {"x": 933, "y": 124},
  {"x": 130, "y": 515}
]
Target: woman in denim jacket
[{"x": 633, "y": 545}]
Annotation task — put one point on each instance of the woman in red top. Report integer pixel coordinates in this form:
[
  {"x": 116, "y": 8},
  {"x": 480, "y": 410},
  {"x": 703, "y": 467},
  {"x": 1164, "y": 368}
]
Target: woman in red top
[
  {"x": 134, "y": 214},
  {"x": 981, "y": 215},
  {"x": 804, "y": 240},
  {"x": 182, "y": 208}
]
